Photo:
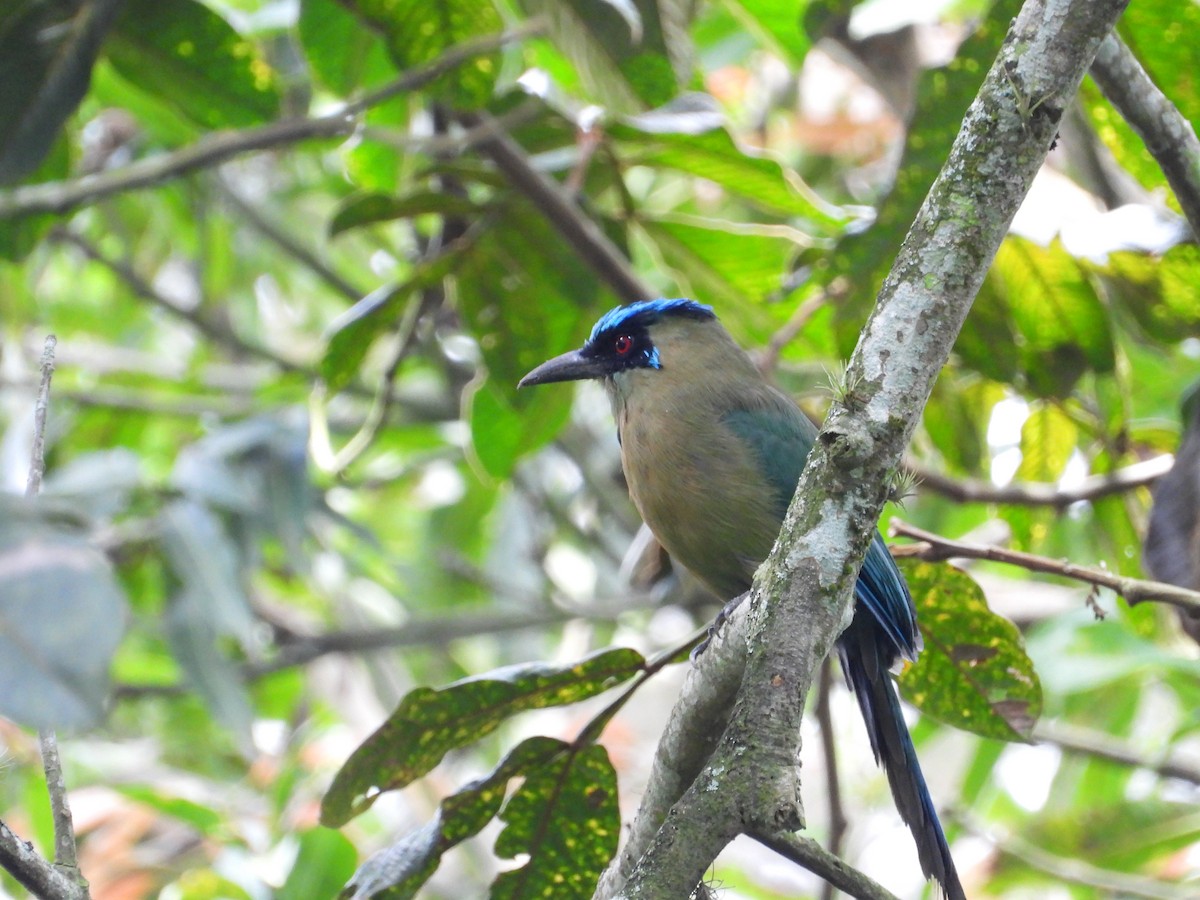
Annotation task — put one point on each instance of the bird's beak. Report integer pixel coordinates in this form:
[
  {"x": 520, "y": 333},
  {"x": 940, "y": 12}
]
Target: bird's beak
[{"x": 573, "y": 366}]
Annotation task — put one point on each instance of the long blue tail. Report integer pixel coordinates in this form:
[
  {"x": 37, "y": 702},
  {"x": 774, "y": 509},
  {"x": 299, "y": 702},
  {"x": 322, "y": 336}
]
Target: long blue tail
[{"x": 866, "y": 655}]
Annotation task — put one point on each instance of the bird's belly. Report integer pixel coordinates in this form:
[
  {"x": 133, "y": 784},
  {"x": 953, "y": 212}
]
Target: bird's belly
[{"x": 717, "y": 525}]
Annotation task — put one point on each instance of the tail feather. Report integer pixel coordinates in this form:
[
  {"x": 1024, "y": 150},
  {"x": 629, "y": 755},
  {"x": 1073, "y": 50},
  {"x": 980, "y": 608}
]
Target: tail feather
[{"x": 866, "y": 665}]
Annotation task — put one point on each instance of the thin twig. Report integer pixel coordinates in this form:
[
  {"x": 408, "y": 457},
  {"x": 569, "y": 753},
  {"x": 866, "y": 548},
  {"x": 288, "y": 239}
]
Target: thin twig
[
  {"x": 810, "y": 855},
  {"x": 556, "y": 204},
  {"x": 187, "y": 406},
  {"x": 972, "y": 490},
  {"x": 837, "y": 813},
  {"x": 19, "y": 859},
  {"x": 215, "y": 330},
  {"x": 1073, "y": 739},
  {"x": 216, "y": 148},
  {"x": 1170, "y": 138},
  {"x": 449, "y": 145},
  {"x": 386, "y": 392},
  {"x": 1067, "y": 870},
  {"x": 37, "y": 460},
  {"x": 788, "y": 333},
  {"x": 288, "y": 243},
  {"x": 66, "y": 860},
  {"x": 299, "y": 651},
  {"x": 935, "y": 548}
]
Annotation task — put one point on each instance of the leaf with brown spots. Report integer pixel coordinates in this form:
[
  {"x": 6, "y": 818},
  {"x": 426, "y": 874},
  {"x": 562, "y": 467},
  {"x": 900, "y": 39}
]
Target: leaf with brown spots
[
  {"x": 564, "y": 816},
  {"x": 429, "y": 722},
  {"x": 974, "y": 673}
]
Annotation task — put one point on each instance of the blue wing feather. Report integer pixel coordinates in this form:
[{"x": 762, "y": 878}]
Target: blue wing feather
[
  {"x": 884, "y": 627},
  {"x": 781, "y": 436}
]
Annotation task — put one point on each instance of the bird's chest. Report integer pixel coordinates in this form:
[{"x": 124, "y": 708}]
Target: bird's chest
[{"x": 697, "y": 488}]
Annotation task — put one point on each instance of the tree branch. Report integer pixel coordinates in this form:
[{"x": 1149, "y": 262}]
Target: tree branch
[
  {"x": 66, "y": 859},
  {"x": 63, "y": 879},
  {"x": 216, "y": 331},
  {"x": 973, "y": 490},
  {"x": 216, "y": 148},
  {"x": 1170, "y": 138},
  {"x": 289, "y": 244},
  {"x": 837, "y": 813},
  {"x": 810, "y": 855},
  {"x": 801, "y": 599},
  {"x": 33, "y": 873},
  {"x": 1072, "y": 739},
  {"x": 935, "y": 548},
  {"x": 1077, "y": 871},
  {"x": 556, "y": 204},
  {"x": 299, "y": 650}
]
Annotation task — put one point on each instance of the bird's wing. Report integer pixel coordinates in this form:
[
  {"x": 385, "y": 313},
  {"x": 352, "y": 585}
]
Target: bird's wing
[{"x": 781, "y": 435}]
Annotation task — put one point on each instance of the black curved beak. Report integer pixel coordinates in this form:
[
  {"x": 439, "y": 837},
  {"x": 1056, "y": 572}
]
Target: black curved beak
[{"x": 573, "y": 366}]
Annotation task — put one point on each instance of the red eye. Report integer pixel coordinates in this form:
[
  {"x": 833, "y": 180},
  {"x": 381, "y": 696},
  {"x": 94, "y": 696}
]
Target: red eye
[{"x": 623, "y": 344}]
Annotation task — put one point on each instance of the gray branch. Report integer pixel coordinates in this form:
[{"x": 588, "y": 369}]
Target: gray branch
[
  {"x": 802, "y": 594},
  {"x": 935, "y": 548},
  {"x": 974, "y": 490},
  {"x": 214, "y": 149},
  {"x": 35, "y": 874},
  {"x": 1168, "y": 136}
]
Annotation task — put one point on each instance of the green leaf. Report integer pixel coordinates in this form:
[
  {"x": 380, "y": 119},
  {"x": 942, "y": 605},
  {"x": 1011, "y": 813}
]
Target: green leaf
[
  {"x": 1161, "y": 35},
  {"x": 754, "y": 176},
  {"x": 430, "y": 722},
  {"x": 988, "y": 341},
  {"x": 1062, "y": 322},
  {"x": 725, "y": 263},
  {"x": 1048, "y": 438},
  {"x": 400, "y": 870},
  {"x": 956, "y": 419},
  {"x": 370, "y": 209},
  {"x": 205, "y": 560},
  {"x": 46, "y": 55},
  {"x": 943, "y": 96},
  {"x": 203, "y": 819},
  {"x": 324, "y": 862},
  {"x": 1122, "y": 835},
  {"x": 974, "y": 673},
  {"x": 191, "y": 58},
  {"x": 501, "y": 430},
  {"x": 526, "y": 296},
  {"x": 349, "y": 337},
  {"x": 775, "y": 24},
  {"x": 417, "y": 32},
  {"x": 1161, "y": 293},
  {"x": 564, "y": 816},
  {"x": 342, "y": 53},
  {"x": 62, "y": 615},
  {"x": 632, "y": 55},
  {"x": 194, "y": 642}
]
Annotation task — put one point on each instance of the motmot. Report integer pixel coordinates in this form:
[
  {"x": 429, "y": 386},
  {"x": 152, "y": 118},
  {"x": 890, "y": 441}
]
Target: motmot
[{"x": 712, "y": 454}]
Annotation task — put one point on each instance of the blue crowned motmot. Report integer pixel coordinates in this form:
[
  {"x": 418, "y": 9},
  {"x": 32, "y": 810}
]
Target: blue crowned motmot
[{"x": 712, "y": 454}]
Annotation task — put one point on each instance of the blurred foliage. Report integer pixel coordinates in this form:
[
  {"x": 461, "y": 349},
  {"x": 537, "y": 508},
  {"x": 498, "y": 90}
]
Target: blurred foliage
[{"x": 292, "y": 488}]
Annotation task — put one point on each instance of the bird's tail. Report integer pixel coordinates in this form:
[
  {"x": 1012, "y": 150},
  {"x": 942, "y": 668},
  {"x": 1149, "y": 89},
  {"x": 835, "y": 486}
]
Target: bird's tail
[{"x": 866, "y": 666}]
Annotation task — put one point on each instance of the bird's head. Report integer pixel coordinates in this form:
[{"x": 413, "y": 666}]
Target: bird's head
[{"x": 624, "y": 339}]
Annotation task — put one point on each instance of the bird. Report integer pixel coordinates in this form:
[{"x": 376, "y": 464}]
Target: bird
[{"x": 712, "y": 453}]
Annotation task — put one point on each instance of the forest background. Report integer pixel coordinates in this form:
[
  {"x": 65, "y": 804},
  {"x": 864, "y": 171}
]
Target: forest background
[{"x": 296, "y": 256}]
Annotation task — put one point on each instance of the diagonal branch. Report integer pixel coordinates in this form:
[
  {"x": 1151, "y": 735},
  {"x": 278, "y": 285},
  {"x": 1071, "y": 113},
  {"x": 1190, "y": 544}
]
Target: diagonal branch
[
  {"x": 62, "y": 880},
  {"x": 802, "y": 593},
  {"x": 1170, "y": 138},
  {"x": 935, "y": 548},
  {"x": 812, "y": 856},
  {"x": 972, "y": 490},
  {"x": 216, "y": 148},
  {"x": 556, "y": 204}
]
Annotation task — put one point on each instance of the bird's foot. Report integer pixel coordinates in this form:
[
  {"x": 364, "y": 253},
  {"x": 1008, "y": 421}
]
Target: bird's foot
[{"x": 715, "y": 626}]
